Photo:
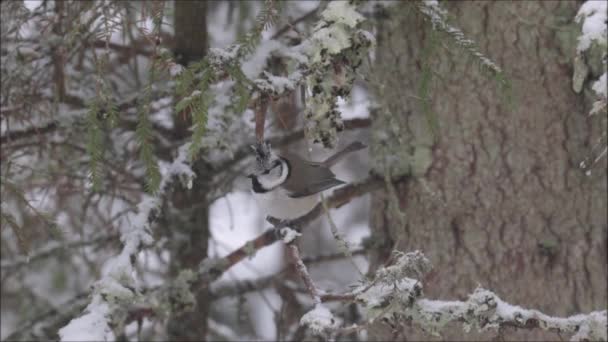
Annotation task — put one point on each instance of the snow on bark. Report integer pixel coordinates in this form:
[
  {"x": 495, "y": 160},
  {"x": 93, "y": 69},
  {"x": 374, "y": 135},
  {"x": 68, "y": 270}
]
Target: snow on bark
[
  {"x": 394, "y": 297},
  {"x": 326, "y": 62},
  {"x": 319, "y": 320},
  {"x": 594, "y": 32},
  {"x": 289, "y": 235},
  {"x": 484, "y": 310},
  {"x": 593, "y": 16}
]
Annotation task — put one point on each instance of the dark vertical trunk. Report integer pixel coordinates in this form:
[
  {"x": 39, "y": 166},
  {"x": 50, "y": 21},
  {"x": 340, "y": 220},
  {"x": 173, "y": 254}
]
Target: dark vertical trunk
[
  {"x": 499, "y": 199},
  {"x": 59, "y": 52},
  {"x": 190, "y": 22},
  {"x": 188, "y": 218}
]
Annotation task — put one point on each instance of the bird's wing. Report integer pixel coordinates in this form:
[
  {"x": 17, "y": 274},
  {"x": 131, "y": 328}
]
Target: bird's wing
[
  {"x": 314, "y": 188},
  {"x": 301, "y": 185}
]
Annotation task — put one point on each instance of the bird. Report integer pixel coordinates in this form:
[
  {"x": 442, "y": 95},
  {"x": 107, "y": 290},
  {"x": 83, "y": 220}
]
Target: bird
[{"x": 287, "y": 186}]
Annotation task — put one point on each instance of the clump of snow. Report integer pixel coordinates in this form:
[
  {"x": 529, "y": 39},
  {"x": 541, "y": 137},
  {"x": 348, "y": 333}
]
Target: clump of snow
[
  {"x": 484, "y": 310},
  {"x": 593, "y": 328},
  {"x": 593, "y": 15},
  {"x": 319, "y": 320},
  {"x": 289, "y": 235},
  {"x": 254, "y": 65},
  {"x": 600, "y": 86},
  {"x": 223, "y": 55},
  {"x": 594, "y": 20},
  {"x": 382, "y": 294},
  {"x": 118, "y": 277},
  {"x": 92, "y": 326},
  {"x": 278, "y": 84},
  {"x": 175, "y": 69}
]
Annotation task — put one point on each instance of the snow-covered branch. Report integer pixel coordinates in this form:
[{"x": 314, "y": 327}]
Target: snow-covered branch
[
  {"x": 211, "y": 269},
  {"x": 324, "y": 63},
  {"x": 393, "y": 296},
  {"x": 484, "y": 310},
  {"x": 593, "y": 18},
  {"x": 118, "y": 288},
  {"x": 594, "y": 32}
]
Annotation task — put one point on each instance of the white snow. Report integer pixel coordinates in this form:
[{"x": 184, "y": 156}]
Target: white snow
[
  {"x": 254, "y": 65},
  {"x": 224, "y": 54},
  {"x": 289, "y": 235},
  {"x": 600, "y": 86},
  {"x": 175, "y": 69},
  {"x": 483, "y": 306},
  {"x": 593, "y": 15},
  {"x": 318, "y": 320},
  {"x": 357, "y": 107},
  {"x": 32, "y": 4},
  {"x": 381, "y": 293},
  {"x": 92, "y": 326},
  {"x": 117, "y": 273}
]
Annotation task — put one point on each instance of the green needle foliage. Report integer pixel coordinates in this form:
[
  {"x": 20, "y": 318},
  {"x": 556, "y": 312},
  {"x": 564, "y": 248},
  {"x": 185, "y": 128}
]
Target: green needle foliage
[
  {"x": 267, "y": 17},
  {"x": 199, "y": 106},
  {"x": 143, "y": 132},
  {"x": 94, "y": 144}
]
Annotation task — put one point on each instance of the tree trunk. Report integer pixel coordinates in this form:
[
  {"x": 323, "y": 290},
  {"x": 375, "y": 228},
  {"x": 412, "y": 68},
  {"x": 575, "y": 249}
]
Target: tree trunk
[
  {"x": 188, "y": 220},
  {"x": 498, "y": 198}
]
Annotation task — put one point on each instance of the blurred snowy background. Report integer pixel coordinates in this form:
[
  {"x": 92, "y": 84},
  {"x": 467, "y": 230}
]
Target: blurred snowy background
[
  {"x": 65, "y": 232},
  {"x": 126, "y": 127}
]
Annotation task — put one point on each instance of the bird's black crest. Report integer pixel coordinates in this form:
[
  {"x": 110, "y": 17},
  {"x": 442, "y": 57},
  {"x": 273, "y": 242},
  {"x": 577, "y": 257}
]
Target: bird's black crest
[{"x": 263, "y": 155}]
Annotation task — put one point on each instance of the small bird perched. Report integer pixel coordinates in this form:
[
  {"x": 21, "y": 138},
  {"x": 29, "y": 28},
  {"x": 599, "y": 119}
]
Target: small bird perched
[{"x": 287, "y": 185}]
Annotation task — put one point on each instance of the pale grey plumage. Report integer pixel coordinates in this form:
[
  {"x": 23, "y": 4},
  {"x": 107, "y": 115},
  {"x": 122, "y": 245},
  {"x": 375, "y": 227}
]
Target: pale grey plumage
[
  {"x": 301, "y": 177},
  {"x": 288, "y": 184},
  {"x": 308, "y": 178}
]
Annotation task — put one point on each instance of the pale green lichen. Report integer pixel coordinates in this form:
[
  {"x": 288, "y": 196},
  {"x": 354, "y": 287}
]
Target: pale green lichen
[
  {"x": 211, "y": 268},
  {"x": 393, "y": 290},
  {"x": 342, "y": 12},
  {"x": 177, "y": 297},
  {"x": 250, "y": 249},
  {"x": 335, "y": 50}
]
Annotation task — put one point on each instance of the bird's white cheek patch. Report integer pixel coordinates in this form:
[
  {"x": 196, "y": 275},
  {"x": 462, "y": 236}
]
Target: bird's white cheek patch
[
  {"x": 268, "y": 182},
  {"x": 276, "y": 177}
]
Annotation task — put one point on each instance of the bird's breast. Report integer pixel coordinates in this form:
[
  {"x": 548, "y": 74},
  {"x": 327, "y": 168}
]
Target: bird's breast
[{"x": 277, "y": 203}]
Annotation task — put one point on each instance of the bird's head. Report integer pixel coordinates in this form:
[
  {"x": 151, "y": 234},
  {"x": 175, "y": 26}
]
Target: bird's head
[{"x": 270, "y": 170}]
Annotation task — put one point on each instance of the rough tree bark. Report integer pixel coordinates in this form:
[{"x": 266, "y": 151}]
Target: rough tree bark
[
  {"x": 188, "y": 219},
  {"x": 498, "y": 199}
]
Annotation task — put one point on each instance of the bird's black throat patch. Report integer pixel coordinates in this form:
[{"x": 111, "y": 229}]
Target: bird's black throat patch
[{"x": 257, "y": 187}]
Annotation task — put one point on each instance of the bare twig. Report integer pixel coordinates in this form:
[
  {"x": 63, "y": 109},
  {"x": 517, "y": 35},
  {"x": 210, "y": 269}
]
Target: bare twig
[
  {"x": 232, "y": 288},
  {"x": 213, "y": 269},
  {"x": 55, "y": 248},
  {"x": 290, "y": 25},
  {"x": 260, "y": 117},
  {"x": 303, "y": 272}
]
